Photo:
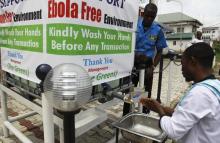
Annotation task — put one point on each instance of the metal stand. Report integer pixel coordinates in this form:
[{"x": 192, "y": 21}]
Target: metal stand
[
  {"x": 81, "y": 128},
  {"x": 141, "y": 78},
  {"x": 7, "y": 125},
  {"x": 117, "y": 134},
  {"x": 69, "y": 126},
  {"x": 160, "y": 80},
  {"x": 47, "y": 115},
  {"x": 4, "y": 112},
  {"x": 141, "y": 85}
]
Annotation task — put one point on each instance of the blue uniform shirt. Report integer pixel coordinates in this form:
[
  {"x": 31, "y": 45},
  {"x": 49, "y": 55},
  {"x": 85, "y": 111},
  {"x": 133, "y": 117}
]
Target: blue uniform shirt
[{"x": 149, "y": 39}]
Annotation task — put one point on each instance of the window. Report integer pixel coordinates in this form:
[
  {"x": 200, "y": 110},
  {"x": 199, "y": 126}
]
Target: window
[
  {"x": 179, "y": 30},
  {"x": 174, "y": 43}
]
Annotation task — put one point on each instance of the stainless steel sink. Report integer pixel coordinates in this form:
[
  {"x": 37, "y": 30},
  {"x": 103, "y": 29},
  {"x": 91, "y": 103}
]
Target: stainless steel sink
[{"x": 140, "y": 128}]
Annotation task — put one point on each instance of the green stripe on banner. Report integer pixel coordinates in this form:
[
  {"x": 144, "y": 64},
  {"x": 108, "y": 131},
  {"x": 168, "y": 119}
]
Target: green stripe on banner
[
  {"x": 71, "y": 39},
  {"x": 27, "y": 38}
]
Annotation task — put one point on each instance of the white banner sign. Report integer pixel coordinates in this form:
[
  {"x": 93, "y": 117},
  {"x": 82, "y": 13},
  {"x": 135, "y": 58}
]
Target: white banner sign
[{"x": 99, "y": 35}]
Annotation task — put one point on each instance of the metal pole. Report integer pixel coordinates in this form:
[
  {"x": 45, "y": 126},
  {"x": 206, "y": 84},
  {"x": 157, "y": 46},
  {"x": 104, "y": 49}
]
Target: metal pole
[
  {"x": 141, "y": 78},
  {"x": 181, "y": 26},
  {"x": 69, "y": 127},
  {"x": 141, "y": 85},
  {"x": 13, "y": 119},
  {"x": 47, "y": 115},
  {"x": 117, "y": 134},
  {"x": 4, "y": 112},
  {"x": 160, "y": 79}
]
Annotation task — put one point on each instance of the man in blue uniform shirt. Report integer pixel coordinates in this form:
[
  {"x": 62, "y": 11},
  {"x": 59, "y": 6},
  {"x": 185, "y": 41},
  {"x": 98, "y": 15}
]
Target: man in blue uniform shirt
[{"x": 150, "y": 42}]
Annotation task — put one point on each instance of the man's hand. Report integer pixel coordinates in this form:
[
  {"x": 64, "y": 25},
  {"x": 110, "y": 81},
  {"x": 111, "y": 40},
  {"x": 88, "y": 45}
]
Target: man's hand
[
  {"x": 152, "y": 105},
  {"x": 157, "y": 57}
]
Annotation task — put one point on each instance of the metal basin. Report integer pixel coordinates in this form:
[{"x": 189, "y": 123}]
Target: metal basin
[{"x": 140, "y": 128}]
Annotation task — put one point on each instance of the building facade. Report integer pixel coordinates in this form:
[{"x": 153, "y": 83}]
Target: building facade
[
  {"x": 210, "y": 34},
  {"x": 183, "y": 27}
]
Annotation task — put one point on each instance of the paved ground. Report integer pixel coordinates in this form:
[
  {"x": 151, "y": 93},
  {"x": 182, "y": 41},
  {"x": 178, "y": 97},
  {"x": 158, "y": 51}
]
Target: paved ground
[{"x": 32, "y": 126}]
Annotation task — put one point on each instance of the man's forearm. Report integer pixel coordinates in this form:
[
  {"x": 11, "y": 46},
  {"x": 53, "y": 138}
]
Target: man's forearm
[
  {"x": 169, "y": 111},
  {"x": 165, "y": 111}
]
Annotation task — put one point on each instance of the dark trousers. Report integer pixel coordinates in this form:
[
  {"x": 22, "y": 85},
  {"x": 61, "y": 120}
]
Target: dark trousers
[
  {"x": 142, "y": 62},
  {"x": 148, "y": 79}
]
